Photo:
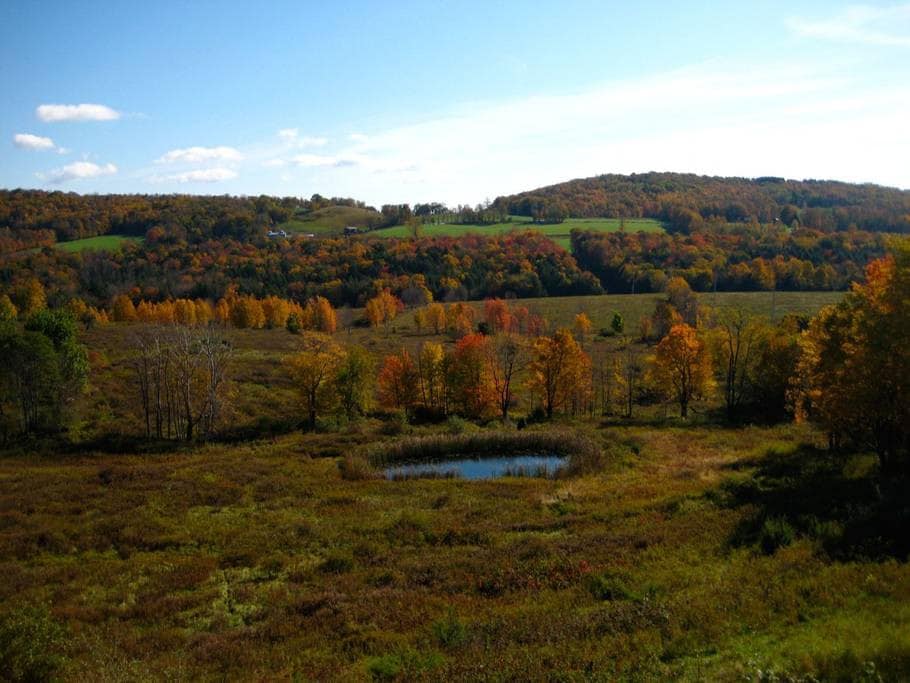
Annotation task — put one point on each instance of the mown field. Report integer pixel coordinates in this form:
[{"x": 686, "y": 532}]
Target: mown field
[
  {"x": 102, "y": 242},
  {"x": 331, "y": 220},
  {"x": 693, "y": 550},
  {"x": 558, "y": 232}
]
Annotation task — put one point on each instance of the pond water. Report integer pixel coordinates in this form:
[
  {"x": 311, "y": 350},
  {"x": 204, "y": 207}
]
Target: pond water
[{"x": 481, "y": 468}]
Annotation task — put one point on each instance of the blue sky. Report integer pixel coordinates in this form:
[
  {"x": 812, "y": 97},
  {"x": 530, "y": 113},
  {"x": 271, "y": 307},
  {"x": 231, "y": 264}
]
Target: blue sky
[{"x": 445, "y": 101}]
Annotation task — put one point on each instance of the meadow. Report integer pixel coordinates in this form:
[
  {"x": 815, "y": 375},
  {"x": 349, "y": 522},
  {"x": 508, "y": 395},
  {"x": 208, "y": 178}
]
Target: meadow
[
  {"x": 558, "y": 232},
  {"x": 102, "y": 242},
  {"x": 330, "y": 220},
  {"x": 695, "y": 552}
]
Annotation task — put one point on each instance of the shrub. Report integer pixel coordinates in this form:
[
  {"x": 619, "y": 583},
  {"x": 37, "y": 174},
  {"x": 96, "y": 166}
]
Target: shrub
[
  {"x": 336, "y": 564},
  {"x": 30, "y": 641},
  {"x": 356, "y": 468},
  {"x": 458, "y": 425},
  {"x": 609, "y": 587},
  {"x": 407, "y": 665},
  {"x": 396, "y": 423},
  {"x": 450, "y": 631},
  {"x": 384, "y": 668},
  {"x": 775, "y": 533}
]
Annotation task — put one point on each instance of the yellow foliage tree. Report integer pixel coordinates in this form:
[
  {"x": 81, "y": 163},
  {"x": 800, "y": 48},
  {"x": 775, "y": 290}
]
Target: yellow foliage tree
[
  {"x": 276, "y": 311},
  {"x": 436, "y": 318},
  {"x": 559, "y": 364},
  {"x": 123, "y": 310},
  {"x": 313, "y": 370},
  {"x": 246, "y": 312},
  {"x": 581, "y": 325},
  {"x": 8, "y": 310},
  {"x": 682, "y": 366}
]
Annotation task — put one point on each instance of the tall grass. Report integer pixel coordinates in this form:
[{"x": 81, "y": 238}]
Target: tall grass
[{"x": 583, "y": 453}]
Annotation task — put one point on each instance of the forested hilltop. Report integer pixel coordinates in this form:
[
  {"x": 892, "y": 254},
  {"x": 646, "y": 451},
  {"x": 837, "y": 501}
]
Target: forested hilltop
[{"x": 686, "y": 201}]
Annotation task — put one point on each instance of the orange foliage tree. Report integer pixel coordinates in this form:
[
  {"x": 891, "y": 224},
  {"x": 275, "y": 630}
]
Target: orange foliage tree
[
  {"x": 398, "y": 381},
  {"x": 470, "y": 381},
  {"x": 854, "y": 370}
]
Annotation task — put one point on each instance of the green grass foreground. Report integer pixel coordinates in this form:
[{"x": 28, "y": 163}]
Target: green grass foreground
[{"x": 692, "y": 553}]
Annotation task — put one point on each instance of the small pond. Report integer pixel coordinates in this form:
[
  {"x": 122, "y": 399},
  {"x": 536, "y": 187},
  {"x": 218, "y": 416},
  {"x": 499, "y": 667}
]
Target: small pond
[{"x": 480, "y": 468}]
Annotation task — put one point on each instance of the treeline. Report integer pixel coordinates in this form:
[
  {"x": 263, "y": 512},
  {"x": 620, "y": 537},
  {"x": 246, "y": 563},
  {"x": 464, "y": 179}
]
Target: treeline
[
  {"x": 743, "y": 259},
  {"x": 686, "y": 202},
  {"x": 341, "y": 270}
]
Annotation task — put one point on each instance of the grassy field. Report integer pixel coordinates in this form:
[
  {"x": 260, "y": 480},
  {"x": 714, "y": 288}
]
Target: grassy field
[
  {"x": 560, "y": 311},
  {"x": 331, "y": 220},
  {"x": 102, "y": 242},
  {"x": 558, "y": 232},
  {"x": 695, "y": 553}
]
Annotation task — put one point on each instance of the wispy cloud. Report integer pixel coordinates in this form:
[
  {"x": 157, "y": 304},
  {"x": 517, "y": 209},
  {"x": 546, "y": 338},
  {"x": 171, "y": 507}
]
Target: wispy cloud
[
  {"x": 779, "y": 119},
  {"x": 864, "y": 24},
  {"x": 316, "y": 160},
  {"x": 202, "y": 175},
  {"x": 33, "y": 142},
  {"x": 294, "y": 139},
  {"x": 54, "y": 113},
  {"x": 196, "y": 155},
  {"x": 78, "y": 170}
]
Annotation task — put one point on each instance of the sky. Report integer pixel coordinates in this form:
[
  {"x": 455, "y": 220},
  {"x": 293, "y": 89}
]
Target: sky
[{"x": 458, "y": 102}]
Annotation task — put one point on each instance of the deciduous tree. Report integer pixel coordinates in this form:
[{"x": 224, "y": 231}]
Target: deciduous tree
[
  {"x": 683, "y": 366},
  {"x": 312, "y": 371}
]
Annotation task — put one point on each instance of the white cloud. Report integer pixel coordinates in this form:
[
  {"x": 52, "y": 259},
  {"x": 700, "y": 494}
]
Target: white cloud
[
  {"x": 864, "y": 24},
  {"x": 314, "y": 160},
  {"x": 34, "y": 142},
  {"x": 779, "y": 119},
  {"x": 52, "y": 113},
  {"x": 196, "y": 155},
  {"x": 293, "y": 137},
  {"x": 358, "y": 137},
  {"x": 205, "y": 175},
  {"x": 78, "y": 170}
]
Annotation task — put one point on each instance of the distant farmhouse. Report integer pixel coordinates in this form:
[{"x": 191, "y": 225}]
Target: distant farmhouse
[
  {"x": 273, "y": 234},
  {"x": 351, "y": 230}
]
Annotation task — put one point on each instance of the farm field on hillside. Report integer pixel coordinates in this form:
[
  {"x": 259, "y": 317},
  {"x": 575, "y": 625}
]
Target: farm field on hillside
[
  {"x": 559, "y": 232},
  {"x": 102, "y": 242},
  {"x": 330, "y": 220}
]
